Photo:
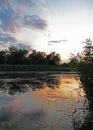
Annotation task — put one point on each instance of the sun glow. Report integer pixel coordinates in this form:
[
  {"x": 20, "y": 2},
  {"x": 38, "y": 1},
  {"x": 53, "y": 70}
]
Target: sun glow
[
  {"x": 67, "y": 88},
  {"x": 72, "y": 26}
]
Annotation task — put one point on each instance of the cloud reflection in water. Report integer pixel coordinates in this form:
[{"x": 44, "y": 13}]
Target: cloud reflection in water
[{"x": 53, "y": 98}]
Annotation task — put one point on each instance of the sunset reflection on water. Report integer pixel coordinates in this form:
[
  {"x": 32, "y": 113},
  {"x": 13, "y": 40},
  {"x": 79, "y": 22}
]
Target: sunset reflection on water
[
  {"x": 53, "y": 107},
  {"x": 67, "y": 88}
]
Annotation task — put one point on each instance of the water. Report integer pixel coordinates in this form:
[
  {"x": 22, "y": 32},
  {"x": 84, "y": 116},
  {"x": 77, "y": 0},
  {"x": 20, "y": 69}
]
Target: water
[{"x": 41, "y": 101}]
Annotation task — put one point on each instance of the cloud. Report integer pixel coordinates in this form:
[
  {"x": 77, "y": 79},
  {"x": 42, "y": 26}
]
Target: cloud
[
  {"x": 44, "y": 1},
  {"x": 31, "y": 4},
  {"x": 25, "y": 1},
  {"x": 23, "y": 4},
  {"x": 10, "y": 21},
  {"x": 35, "y": 22},
  {"x": 14, "y": 18},
  {"x": 24, "y": 46},
  {"x": 56, "y": 41},
  {"x": 6, "y": 38},
  {"x": 5, "y": 3}
]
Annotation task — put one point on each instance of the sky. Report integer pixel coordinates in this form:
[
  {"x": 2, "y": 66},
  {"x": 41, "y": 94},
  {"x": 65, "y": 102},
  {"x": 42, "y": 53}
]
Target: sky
[{"x": 46, "y": 25}]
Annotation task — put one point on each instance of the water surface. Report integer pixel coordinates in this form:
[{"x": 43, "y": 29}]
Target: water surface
[{"x": 41, "y": 101}]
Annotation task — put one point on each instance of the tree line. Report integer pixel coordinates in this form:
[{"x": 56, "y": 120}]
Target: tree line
[
  {"x": 19, "y": 56},
  {"x": 84, "y": 63}
]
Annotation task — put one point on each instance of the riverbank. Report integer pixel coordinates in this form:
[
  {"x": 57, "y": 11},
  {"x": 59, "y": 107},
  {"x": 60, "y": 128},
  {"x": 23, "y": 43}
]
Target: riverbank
[
  {"x": 88, "y": 88},
  {"x": 35, "y": 68}
]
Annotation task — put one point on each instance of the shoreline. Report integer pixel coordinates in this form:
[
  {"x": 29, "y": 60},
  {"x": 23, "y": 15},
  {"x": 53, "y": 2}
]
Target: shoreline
[{"x": 35, "y": 68}]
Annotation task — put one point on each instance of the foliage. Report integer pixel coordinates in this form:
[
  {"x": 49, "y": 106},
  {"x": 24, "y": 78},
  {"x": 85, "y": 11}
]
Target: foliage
[
  {"x": 14, "y": 56},
  {"x": 88, "y": 52},
  {"x": 53, "y": 58},
  {"x": 2, "y": 57},
  {"x": 37, "y": 57},
  {"x": 86, "y": 62},
  {"x": 73, "y": 61}
]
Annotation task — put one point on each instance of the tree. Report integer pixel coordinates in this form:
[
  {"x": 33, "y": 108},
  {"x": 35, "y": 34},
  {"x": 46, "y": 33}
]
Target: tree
[
  {"x": 53, "y": 59},
  {"x": 37, "y": 57},
  {"x": 16, "y": 56},
  {"x": 88, "y": 52},
  {"x": 73, "y": 60},
  {"x": 2, "y": 57},
  {"x": 86, "y": 63},
  {"x": 20, "y": 56}
]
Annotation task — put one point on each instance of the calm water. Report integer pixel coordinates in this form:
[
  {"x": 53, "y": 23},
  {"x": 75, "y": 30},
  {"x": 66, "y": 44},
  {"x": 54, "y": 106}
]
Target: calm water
[{"x": 41, "y": 101}]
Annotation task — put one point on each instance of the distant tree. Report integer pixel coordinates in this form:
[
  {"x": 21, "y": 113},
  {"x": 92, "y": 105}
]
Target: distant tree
[
  {"x": 53, "y": 59},
  {"x": 86, "y": 62},
  {"x": 16, "y": 56},
  {"x": 20, "y": 56},
  {"x": 12, "y": 49},
  {"x": 88, "y": 52},
  {"x": 41, "y": 57},
  {"x": 37, "y": 57},
  {"x": 2, "y": 57},
  {"x": 73, "y": 61}
]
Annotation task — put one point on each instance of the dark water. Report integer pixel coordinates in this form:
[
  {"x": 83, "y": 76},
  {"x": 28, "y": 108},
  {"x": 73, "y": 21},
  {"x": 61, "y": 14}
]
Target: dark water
[{"x": 41, "y": 101}]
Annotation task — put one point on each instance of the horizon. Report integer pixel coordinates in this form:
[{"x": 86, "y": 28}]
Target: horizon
[{"x": 45, "y": 25}]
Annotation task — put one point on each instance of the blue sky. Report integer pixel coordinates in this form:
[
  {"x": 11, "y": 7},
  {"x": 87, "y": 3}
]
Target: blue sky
[{"x": 46, "y": 25}]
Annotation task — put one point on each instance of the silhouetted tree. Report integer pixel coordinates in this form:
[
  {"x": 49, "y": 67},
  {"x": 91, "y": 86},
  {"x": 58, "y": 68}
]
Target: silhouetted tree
[
  {"x": 2, "y": 57},
  {"x": 73, "y": 61},
  {"x": 86, "y": 69},
  {"x": 19, "y": 56},
  {"x": 16, "y": 56},
  {"x": 37, "y": 57},
  {"x": 88, "y": 52},
  {"x": 53, "y": 59}
]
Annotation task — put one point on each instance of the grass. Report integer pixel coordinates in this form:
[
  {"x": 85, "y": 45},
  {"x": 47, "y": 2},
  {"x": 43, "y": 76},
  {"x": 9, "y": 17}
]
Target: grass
[{"x": 35, "y": 68}]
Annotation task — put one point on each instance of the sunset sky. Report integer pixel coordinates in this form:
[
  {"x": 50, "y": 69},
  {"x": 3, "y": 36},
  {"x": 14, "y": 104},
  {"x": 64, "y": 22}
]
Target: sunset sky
[{"x": 46, "y": 25}]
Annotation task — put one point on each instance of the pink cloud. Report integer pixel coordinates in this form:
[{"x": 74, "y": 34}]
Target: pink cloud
[
  {"x": 4, "y": 3},
  {"x": 35, "y": 22},
  {"x": 13, "y": 19}
]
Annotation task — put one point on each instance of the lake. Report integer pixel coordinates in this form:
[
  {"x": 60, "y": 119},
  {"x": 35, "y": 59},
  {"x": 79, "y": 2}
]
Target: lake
[{"x": 41, "y": 101}]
